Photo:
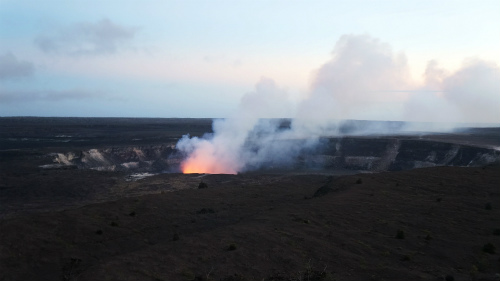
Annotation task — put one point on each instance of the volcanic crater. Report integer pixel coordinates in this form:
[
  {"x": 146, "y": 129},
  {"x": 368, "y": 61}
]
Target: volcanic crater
[{"x": 74, "y": 206}]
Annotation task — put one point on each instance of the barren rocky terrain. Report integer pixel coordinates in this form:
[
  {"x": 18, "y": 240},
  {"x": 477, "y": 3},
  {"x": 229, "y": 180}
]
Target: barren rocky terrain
[{"x": 72, "y": 222}]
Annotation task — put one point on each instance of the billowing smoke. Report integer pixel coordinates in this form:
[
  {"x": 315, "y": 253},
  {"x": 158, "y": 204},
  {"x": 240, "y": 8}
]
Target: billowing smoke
[
  {"x": 364, "y": 79},
  {"x": 227, "y": 150}
]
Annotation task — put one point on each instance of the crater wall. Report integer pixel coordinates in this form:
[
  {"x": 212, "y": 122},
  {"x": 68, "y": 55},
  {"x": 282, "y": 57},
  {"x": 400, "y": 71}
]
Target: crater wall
[{"x": 348, "y": 153}]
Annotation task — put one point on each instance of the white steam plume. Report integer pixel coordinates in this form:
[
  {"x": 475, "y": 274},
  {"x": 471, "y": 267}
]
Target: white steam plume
[
  {"x": 225, "y": 150},
  {"x": 364, "y": 78}
]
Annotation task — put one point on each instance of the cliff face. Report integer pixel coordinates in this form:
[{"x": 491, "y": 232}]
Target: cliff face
[
  {"x": 350, "y": 153},
  {"x": 154, "y": 158},
  {"x": 392, "y": 154}
]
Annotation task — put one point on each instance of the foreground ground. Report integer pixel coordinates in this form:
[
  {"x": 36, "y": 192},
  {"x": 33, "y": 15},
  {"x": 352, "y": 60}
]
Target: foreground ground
[{"x": 423, "y": 224}]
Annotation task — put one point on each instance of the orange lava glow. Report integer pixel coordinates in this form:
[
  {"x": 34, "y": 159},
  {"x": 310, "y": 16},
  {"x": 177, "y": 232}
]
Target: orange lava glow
[
  {"x": 194, "y": 165},
  {"x": 193, "y": 168}
]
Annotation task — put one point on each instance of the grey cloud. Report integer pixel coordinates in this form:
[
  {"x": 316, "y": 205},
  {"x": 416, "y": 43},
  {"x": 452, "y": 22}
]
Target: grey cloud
[
  {"x": 11, "y": 67},
  {"x": 360, "y": 69},
  {"x": 475, "y": 90},
  {"x": 100, "y": 38},
  {"x": 7, "y": 96},
  {"x": 471, "y": 94},
  {"x": 434, "y": 75}
]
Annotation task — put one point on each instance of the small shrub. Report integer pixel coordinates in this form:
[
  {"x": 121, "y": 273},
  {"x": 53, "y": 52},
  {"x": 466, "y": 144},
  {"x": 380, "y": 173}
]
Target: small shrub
[
  {"x": 483, "y": 264},
  {"x": 235, "y": 277},
  {"x": 473, "y": 270},
  {"x": 201, "y": 278},
  {"x": 359, "y": 181},
  {"x": 316, "y": 275},
  {"x": 405, "y": 258},
  {"x": 489, "y": 248},
  {"x": 232, "y": 247},
  {"x": 449, "y": 278},
  {"x": 439, "y": 199},
  {"x": 98, "y": 232},
  {"x": 71, "y": 269},
  {"x": 176, "y": 237},
  {"x": 202, "y": 185},
  {"x": 496, "y": 231},
  {"x": 400, "y": 234},
  {"x": 113, "y": 223},
  {"x": 132, "y": 214},
  {"x": 188, "y": 274},
  {"x": 206, "y": 211},
  {"x": 428, "y": 237},
  {"x": 487, "y": 206}
]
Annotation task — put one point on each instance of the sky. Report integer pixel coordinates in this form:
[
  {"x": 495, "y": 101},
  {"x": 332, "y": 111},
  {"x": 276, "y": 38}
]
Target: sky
[{"x": 360, "y": 59}]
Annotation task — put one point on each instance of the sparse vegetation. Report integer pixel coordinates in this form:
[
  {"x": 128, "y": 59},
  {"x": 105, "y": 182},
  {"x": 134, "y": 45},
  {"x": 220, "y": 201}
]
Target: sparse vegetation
[
  {"x": 232, "y": 247},
  {"x": 473, "y": 270},
  {"x": 175, "y": 237},
  {"x": 262, "y": 214},
  {"x": 405, "y": 258},
  {"x": 482, "y": 264},
  {"x": 489, "y": 248},
  {"x": 188, "y": 274}
]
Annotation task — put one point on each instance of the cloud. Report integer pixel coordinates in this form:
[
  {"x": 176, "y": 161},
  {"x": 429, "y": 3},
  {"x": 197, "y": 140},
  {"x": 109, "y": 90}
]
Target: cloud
[
  {"x": 470, "y": 94},
  {"x": 366, "y": 78},
  {"x": 434, "y": 75},
  {"x": 11, "y": 67},
  {"x": 99, "y": 38},
  {"x": 361, "y": 67},
  {"x": 363, "y": 79},
  {"x": 51, "y": 96},
  {"x": 475, "y": 91},
  {"x": 267, "y": 101}
]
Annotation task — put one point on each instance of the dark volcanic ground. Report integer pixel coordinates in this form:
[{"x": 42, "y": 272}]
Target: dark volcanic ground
[
  {"x": 272, "y": 227},
  {"x": 77, "y": 224}
]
